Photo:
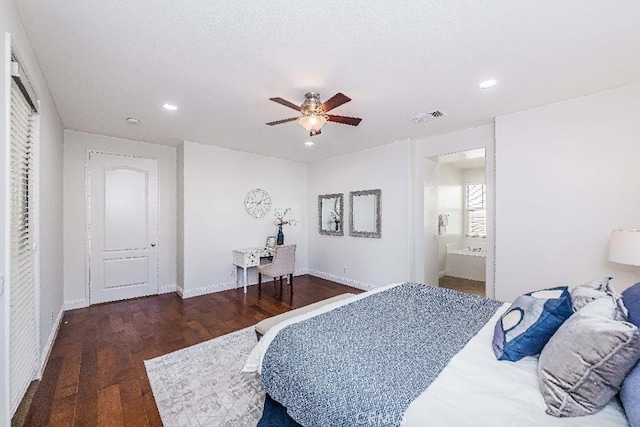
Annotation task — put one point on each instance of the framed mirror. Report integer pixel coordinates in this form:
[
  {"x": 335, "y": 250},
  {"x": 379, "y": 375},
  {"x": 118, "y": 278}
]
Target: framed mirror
[
  {"x": 331, "y": 214},
  {"x": 365, "y": 218},
  {"x": 271, "y": 243}
]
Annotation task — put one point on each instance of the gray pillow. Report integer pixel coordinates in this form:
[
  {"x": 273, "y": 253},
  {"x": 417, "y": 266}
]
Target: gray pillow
[
  {"x": 584, "y": 363},
  {"x": 591, "y": 291},
  {"x": 596, "y": 289}
]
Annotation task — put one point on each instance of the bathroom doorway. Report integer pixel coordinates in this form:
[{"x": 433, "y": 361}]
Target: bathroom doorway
[{"x": 456, "y": 206}]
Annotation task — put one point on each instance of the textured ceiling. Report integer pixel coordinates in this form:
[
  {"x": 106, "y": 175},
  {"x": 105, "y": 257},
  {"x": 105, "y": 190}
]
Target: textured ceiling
[{"x": 220, "y": 61}]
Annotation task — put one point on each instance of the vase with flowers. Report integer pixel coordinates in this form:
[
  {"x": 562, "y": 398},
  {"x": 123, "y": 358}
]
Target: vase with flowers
[{"x": 281, "y": 220}]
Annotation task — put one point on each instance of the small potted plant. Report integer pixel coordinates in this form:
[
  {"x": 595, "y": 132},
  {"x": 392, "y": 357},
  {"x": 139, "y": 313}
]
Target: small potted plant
[{"x": 281, "y": 220}]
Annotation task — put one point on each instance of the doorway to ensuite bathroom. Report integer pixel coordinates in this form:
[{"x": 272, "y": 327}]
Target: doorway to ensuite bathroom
[{"x": 456, "y": 187}]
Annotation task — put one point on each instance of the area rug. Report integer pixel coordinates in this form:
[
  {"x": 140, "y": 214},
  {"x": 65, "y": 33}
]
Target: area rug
[{"x": 203, "y": 385}]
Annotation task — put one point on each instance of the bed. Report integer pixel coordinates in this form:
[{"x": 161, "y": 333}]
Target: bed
[{"x": 403, "y": 355}]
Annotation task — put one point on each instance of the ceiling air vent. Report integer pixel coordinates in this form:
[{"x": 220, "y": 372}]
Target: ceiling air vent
[{"x": 427, "y": 117}]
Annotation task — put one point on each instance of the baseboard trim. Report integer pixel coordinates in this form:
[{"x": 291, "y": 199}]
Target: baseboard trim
[
  {"x": 44, "y": 357},
  {"x": 342, "y": 280},
  {"x": 75, "y": 304},
  {"x": 301, "y": 272},
  {"x": 167, "y": 288},
  {"x": 218, "y": 287}
]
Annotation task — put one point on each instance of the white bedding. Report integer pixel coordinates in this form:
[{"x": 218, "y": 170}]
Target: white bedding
[{"x": 474, "y": 389}]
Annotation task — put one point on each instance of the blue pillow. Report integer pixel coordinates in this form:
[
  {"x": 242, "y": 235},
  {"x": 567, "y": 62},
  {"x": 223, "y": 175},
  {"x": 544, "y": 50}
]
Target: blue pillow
[
  {"x": 630, "y": 396},
  {"x": 631, "y": 300},
  {"x": 630, "y": 391},
  {"x": 525, "y": 328}
]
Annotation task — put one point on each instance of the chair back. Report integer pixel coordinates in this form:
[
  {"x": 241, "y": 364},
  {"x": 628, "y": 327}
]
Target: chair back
[{"x": 283, "y": 263}]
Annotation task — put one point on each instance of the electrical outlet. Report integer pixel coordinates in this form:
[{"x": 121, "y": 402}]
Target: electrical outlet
[{"x": 344, "y": 270}]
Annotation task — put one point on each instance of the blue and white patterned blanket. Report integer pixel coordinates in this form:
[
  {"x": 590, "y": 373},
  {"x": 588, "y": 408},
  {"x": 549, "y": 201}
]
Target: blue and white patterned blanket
[{"x": 365, "y": 362}]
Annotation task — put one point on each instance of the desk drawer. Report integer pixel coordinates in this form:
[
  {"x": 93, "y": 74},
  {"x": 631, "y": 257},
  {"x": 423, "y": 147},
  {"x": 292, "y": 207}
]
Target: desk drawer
[{"x": 246, "y": 259}]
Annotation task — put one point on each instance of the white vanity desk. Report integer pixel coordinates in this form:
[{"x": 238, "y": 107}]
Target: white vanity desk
[{"x": 249, "y": 257}]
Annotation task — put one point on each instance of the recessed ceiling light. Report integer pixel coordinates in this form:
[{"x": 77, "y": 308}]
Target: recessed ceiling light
[
  {"x": 133, "y": 120},
  {"x": 170, "y": 107},
  {"x": 309, "y": 143},
  {"x": 488, "y": 83}
]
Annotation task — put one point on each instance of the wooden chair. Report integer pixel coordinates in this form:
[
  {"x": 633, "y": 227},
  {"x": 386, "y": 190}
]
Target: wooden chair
[{"x": 283, "y": 264}]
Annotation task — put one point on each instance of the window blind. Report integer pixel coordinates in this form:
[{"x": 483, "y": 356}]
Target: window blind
[
  {"x": 23, "y": 336},
  {"x": 476, "y": 210}
]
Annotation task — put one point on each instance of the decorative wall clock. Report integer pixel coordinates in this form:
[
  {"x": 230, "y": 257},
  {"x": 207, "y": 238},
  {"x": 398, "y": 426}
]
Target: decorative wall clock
[{"x": 257, "y": 203}]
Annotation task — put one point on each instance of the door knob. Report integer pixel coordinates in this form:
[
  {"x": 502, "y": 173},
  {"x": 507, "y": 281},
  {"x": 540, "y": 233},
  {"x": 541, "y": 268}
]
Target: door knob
[{"x": 153, "y": 245}]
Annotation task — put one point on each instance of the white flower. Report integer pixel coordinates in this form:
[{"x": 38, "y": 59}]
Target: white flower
[{"x": 280, "y": 214}]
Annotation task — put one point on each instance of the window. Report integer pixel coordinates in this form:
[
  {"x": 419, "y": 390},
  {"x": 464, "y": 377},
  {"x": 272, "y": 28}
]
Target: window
[
  {"x": 476, "y": 211},
  {"x": 23, "y": 341}
]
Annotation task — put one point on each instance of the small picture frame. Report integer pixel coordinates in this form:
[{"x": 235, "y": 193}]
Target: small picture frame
[{"x": 271, "y": 242}]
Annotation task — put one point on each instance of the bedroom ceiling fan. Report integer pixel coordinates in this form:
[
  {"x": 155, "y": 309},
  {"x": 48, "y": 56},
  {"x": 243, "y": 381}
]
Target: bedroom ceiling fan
[{"x": 314, "y": 112}]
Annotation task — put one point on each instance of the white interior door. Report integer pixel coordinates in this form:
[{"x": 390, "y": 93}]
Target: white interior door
[{"x": 123, "y": 227}]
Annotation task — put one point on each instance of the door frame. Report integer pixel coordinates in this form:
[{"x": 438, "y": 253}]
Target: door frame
[
  {"x": 87, "y": 217},
  {"x": 469, "y": 139},
  {"x": 432, "y": 217}
]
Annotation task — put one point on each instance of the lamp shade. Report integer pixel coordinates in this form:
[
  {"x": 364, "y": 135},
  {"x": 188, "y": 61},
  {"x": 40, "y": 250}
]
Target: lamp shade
[
  {"x": 624, "y": 247},
  {"x": 312, "y": 122}
]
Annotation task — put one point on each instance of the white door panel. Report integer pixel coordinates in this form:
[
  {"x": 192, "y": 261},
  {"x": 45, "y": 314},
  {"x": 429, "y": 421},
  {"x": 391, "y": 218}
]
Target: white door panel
[
  {"x": 126, "y": 272},
  {"x": 123, "y": 227},
  {"x": 125, "y": 209}
]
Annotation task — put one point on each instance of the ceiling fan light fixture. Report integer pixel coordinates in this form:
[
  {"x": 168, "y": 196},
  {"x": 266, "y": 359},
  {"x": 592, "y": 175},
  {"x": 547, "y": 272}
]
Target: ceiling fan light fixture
[
  {"x": 314, "y": 113},
  {"x": 312, "y": 123}
]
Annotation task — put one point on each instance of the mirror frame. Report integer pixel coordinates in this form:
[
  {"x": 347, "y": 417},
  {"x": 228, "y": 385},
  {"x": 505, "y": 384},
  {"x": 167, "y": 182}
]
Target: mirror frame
[
  {"x": 322, "y": 197},
  {"x": 371, "y": 234}
]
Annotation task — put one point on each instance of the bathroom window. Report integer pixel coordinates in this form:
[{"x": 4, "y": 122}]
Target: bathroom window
[{"x": 476, "y": 210}]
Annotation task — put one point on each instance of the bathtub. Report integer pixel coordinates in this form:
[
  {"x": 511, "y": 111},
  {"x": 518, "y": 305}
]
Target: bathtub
[{"x": 466, "y": 264}]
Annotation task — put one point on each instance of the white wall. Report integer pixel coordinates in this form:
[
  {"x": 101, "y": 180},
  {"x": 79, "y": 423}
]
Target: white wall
[
  {"x": 76, "y": 145},
  {"x": 180, "y": 216},
  {"x": 479, "y": 137},
  {"x": 474, "y": 175},
  {"x": 215, "y": 183},
  {"x": 49, "y": 194},
  {"x": 369, "y": 262},
  {"x": 566, "y": 175}
]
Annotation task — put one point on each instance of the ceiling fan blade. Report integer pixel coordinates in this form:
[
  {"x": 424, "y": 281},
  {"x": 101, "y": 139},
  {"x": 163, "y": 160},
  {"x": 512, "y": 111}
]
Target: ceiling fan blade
[
  {"x": 353, "y": 121},
  {"x": 279, "y": 122},
  {"x": 285, "y": 103},
  {"x": 335, "y": 101}
]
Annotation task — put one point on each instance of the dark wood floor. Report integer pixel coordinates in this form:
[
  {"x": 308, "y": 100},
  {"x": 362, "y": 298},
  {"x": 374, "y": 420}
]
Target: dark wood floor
[
  {"x": 463, "y": 285},
  {"x": 96, "y": 375}
]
